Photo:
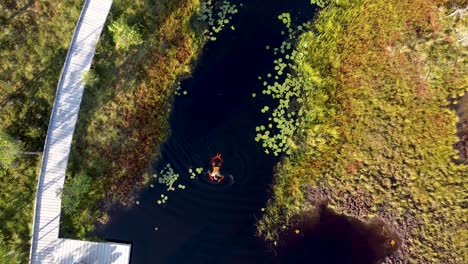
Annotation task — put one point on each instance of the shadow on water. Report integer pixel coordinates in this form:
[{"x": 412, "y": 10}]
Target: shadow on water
[
  {"x": 326, "y": 237},
  {"x": 207, "y": 223}
]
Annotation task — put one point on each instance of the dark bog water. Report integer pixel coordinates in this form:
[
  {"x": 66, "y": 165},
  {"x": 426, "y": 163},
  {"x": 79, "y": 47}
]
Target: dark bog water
[
  {"x": 207, "y": 223},
  {"x": 326, "y": 237}
]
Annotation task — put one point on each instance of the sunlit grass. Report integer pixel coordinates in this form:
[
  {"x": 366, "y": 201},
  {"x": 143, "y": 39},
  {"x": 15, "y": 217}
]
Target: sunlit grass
[{"x": 377, "y": 134}]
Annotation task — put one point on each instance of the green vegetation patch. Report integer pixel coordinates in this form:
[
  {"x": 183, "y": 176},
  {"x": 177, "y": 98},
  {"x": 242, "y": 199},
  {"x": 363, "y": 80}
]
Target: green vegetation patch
[
  {"x": 139, "y": 63},
  {"x": 216, "y": 15},
  {"x": 140, "y": 59},
  {"x": 285, "y": 88},
  {"x": 34, "y": 39},
  {"x": 123, "y": 35},
  {"x": 377, "y": 134},
  {"x": 144, "y": 51}
]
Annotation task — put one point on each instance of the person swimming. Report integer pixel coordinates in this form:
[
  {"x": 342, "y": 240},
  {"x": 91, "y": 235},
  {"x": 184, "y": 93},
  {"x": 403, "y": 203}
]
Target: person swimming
[{"x": 216, "y": 163}]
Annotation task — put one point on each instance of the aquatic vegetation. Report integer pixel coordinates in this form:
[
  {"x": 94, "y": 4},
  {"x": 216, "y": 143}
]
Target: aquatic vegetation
[
  {"x": 123, "y": 35},
  {"x": 168, "y": 177},
  {"x": 285, "y": 89},
  {"x": 178, "y": 90},
  {"x": 217, "y": 15},
  {"x": 376, "y": 133},
  {"x": 199, "y": 170},
  {"x": 322, "y": 3},
  {"x": 193, "y": 173},
  {"x": 286, "y": 19},
  {"x": 163, "y": 199}
]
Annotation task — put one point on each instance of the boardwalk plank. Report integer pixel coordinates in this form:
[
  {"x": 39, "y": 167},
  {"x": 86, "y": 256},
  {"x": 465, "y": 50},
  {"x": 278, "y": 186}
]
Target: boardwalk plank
[{"x": 46, "y": 246}]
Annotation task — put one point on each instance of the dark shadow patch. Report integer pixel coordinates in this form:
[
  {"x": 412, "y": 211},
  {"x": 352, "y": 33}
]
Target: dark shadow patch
[{"x": 326, "y": 237}]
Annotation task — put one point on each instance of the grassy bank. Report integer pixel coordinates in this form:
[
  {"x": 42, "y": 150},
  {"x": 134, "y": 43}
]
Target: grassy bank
[
  {"x": 125, "y": 108},
  {"x": 33, "y": 44},
  {"x": 145, "y": 48},
  {"x": 376, "y": 133}
]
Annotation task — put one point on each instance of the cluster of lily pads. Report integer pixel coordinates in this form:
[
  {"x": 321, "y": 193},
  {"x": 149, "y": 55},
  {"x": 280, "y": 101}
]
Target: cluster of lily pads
[
  {"x": 193, "y": 173},
  {"x": 217, "y": 15},
  {"x": 163, "y": 199},
  {"x": 178, "y": 90},
  {"x": 168, "y": 177},
  {"x": 285, "y": 88},
  {"x": 322, "y": 3}
]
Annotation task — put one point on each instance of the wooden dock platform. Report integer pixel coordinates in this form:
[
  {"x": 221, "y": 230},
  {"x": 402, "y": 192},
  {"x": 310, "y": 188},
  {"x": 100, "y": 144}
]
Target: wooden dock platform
[{"x": 46, "y": 246}]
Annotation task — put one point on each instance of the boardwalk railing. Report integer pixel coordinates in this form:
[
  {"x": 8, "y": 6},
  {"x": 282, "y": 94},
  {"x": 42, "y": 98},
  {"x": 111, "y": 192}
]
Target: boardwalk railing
[{"x": 45, "y": 243}]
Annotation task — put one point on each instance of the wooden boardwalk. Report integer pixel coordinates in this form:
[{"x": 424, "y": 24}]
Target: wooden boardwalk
[{"x": 46, "y": 247}]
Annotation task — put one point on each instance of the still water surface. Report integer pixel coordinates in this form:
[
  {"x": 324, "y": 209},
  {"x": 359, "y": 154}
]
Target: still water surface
[{"x": 206, "y": 223}]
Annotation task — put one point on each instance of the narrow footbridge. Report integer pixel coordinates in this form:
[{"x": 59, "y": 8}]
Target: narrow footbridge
[{"x": 46, "y": 246}]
